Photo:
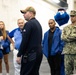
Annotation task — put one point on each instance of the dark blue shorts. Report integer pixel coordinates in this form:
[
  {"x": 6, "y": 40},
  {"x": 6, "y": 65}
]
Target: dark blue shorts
[{"x": 2, "y": 52}]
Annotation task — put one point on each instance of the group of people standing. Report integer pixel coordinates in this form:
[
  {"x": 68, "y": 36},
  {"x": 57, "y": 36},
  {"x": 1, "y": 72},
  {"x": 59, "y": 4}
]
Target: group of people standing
[{"x": 29, "y": 46}]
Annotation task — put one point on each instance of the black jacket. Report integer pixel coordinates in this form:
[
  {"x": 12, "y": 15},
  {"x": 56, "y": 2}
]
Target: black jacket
[{"x": 31, "y": 37}]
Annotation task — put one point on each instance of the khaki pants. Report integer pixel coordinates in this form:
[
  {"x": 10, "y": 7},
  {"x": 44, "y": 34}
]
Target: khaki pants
[{"x": 16, "y": 65}]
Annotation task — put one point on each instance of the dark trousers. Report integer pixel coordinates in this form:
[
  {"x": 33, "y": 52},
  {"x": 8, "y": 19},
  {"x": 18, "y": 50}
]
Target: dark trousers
[
  {"x": 62, "y": 65},
  {"x": 55, "y": 64},
  {"x": 31, "y": 67}
]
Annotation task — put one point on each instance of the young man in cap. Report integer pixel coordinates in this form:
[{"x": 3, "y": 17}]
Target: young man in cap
[
  {"x": 30, "y": 49},
  {"x": 52, "y": 47},
  {"x": 69, "y": 36}
]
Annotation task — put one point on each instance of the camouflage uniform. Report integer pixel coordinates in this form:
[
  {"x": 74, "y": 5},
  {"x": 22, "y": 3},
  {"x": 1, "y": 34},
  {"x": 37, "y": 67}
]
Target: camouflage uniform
[{"x": 69, "y": 36}]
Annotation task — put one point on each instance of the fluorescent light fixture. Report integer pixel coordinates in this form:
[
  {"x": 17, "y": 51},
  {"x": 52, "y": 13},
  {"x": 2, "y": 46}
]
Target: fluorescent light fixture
[{"x": 56, "y": 1}]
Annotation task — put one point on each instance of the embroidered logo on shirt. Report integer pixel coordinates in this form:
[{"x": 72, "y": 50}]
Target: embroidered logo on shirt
[{"x": 24, "y": 30}]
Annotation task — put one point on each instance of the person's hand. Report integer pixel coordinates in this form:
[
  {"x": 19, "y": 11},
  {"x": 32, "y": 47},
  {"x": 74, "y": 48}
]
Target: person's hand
[
  {"x": 12, "y": 47},
  {"x": 18, "y": 60},
  {"x": 59, "y": 53}
]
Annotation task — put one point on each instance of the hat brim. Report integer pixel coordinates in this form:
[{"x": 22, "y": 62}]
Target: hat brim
[
  {"x": 23, "y": 11},
  {"x": 72, "y": 15}
]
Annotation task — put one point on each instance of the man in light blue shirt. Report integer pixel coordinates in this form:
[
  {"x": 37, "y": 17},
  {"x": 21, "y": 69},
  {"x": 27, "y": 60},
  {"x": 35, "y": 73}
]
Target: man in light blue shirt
[{"x": 17, "y": 35}]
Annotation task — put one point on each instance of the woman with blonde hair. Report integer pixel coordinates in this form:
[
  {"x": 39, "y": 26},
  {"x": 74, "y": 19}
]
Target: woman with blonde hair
[{"x": 4, "y": 47}]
